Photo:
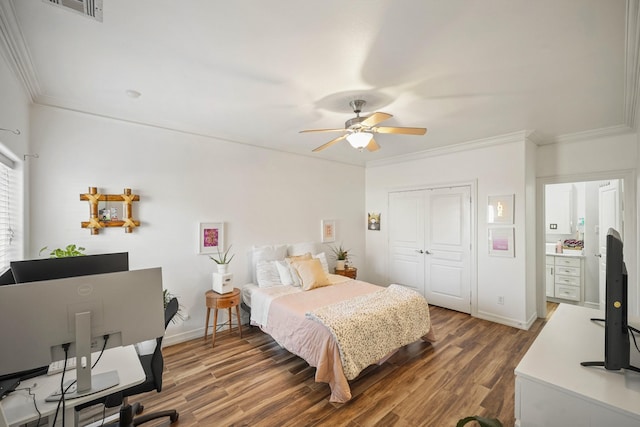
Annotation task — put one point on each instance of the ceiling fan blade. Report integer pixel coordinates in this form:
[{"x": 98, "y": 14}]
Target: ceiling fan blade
[
  {"x": 322, "y": 130},
  {"x": 375, "y": 118},
  {"x": 397, "y": 130},
  {"x": 329, "y": 144},
  {"x": 373, "y": 145}
]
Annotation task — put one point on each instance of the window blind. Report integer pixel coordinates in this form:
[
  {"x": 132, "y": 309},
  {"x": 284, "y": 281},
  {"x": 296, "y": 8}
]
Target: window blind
[{"x": 7, "y": 186}]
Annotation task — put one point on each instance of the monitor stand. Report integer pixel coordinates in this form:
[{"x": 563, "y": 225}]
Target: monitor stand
[
  {"x": 599, "y": 363},
  {"x": 628, "y": 368},
  {"x": 85, "y": 383}
]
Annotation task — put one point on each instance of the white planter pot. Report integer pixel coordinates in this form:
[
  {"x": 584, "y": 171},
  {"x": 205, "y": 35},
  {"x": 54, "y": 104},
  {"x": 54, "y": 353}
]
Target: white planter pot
[
  {"x": 222, "y": 268},
  {"x": 340, "y": 265}
]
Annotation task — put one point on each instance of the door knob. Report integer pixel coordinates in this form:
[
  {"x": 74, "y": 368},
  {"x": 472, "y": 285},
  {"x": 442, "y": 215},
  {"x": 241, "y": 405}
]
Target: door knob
[
  {"x": 598, "y": 255},
  {"x": 427, "y": 252},
  {"x": 420, "y": 251}
]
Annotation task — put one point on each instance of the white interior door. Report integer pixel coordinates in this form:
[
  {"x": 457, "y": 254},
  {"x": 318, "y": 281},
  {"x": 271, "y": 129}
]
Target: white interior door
[
  {"x": 430, "y": 244},
  {"x": 448, "y": 248},
  {"x": 610, "y": 216},
  {"x": 406, "y": 239}
]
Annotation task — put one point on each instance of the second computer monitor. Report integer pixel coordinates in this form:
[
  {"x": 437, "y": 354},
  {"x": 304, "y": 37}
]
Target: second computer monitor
[{"x": 36, "y": 270}]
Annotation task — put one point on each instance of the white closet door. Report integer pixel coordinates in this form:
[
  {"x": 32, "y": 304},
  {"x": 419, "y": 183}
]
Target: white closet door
[
  {"x": 406, "y": 239},
  {"x": 430, "y": 244},
  {"x": 448, "y": 248}
]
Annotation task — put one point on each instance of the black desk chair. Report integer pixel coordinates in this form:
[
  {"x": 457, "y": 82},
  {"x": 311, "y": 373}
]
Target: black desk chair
[{"x": 153, "y": 365}]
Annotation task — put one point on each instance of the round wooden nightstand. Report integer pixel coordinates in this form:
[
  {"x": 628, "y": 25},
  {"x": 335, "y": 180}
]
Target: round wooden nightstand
[
  {"x": 350, "y": 272},
  {"x": 215, "y": 300}
]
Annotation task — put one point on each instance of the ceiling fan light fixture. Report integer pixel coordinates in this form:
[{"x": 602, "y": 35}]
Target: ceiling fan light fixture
[{"x": 359, "y": 140}]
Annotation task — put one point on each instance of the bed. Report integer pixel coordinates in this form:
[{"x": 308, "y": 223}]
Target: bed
[{"x": 336, "y": 324}]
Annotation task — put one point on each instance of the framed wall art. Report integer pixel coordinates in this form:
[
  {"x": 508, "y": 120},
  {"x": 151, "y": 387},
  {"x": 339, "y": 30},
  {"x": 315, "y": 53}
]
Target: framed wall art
[
  {"x": 110, "y": 210},
  {"x": 211, "y": 237},
  {"x": 501, "y": 242},
  {"x": 328, "y": 231},
  {"x": 373, "y": 221},
  {"x": 500, "y": 209}
]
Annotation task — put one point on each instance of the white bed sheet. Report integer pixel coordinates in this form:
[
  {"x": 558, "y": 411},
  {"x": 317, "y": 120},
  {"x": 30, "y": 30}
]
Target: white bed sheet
[{"x": 260, "y": 301}]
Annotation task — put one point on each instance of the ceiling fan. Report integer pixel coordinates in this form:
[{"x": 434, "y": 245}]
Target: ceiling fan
[{"x": 359, "y": 130}]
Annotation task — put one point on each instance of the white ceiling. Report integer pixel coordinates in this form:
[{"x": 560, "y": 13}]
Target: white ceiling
[{"x": 257, "y": 72}]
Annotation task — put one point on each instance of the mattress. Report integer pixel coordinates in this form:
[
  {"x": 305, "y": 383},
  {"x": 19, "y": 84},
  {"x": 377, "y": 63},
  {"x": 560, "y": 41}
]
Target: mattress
[{"x": 284, "y": 313}]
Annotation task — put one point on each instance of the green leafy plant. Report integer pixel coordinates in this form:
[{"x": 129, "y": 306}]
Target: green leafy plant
[
  {"x": 340, "y": 253},
  {"x": 484, "y": 422},
  {"x": 68, "y": 251},
  {"x": 223, "y": 257}
]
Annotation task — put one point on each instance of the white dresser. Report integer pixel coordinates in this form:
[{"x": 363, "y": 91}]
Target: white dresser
[
  {"x": 553, "y": 389},
  {"x": 565, "y": 277}
]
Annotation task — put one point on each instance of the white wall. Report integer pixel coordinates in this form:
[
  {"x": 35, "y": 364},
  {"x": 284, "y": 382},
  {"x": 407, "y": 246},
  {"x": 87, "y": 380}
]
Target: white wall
[
  {"x": 496, "y": 170},
  {"x": 264, "y": 196}
]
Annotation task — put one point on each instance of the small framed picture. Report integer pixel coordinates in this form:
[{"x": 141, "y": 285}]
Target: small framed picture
[
  {"x": 211, "y": 237},
  {"x": 110, "y": 211},
  {"x": 500, "y": 209},
  {"x": 328, "y": 231},
  {"x": 501, "y": 242},
  {"x": 373, "y": 221}
]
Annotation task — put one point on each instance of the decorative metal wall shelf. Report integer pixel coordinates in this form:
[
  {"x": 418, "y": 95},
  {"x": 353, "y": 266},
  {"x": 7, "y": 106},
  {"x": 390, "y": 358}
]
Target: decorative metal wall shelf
[{"x": 101, "y": 214}]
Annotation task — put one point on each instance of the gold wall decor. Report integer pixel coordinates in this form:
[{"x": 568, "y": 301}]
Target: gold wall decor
[{"x": 103, "y": 214}]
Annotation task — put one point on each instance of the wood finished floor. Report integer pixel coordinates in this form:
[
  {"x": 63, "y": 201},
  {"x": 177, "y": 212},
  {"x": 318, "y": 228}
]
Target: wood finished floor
[{"x": 253, "y": 382}]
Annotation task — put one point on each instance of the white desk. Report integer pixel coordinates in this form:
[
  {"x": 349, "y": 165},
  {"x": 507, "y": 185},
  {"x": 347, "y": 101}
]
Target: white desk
[
  {"x": 18, "y": 407},
  {"x": 553, "y": 389}
]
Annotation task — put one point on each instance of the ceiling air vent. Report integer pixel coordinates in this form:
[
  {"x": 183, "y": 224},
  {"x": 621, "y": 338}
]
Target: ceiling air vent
[{"x": 90, "y": 8}]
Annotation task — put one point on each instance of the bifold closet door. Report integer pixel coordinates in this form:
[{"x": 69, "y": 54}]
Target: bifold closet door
[{"x": 430, "y": 244}]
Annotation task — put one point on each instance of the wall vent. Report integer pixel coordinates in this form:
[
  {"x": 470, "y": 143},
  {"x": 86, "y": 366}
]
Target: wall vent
[{"x": 90, "y": 8}]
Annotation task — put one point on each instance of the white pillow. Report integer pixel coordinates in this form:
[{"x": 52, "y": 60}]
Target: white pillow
[
  {"x": 267, "y": 274},
  {"x": 323, "y": 260},
  {"x": 283, "y": 271},
  {"x": 302, "y": 248},
  {"x": 267, "y": 253}
]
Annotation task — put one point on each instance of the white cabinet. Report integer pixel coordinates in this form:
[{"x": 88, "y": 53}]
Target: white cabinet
[
  {"x": 565, "y": 277},
  {"x": 554, "y": 390},
  {"x": 559, "y": 209},
  {"x": 549, "y": 276}
]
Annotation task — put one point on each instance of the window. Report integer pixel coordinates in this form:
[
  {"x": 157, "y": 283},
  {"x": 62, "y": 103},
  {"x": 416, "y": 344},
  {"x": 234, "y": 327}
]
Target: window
[{"x": 7, "y": 210}]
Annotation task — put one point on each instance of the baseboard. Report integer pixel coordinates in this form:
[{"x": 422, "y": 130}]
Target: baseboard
[
  {"x": 182, "y": 337},
  {"x": 506, "y": 320}
]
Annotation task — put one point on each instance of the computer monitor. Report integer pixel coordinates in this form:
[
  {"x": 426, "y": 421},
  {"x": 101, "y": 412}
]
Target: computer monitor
[
  {"x": 6, "y": 278},
  {"x": 35, "y": 270},
  {"x": 127, "y": 306}
]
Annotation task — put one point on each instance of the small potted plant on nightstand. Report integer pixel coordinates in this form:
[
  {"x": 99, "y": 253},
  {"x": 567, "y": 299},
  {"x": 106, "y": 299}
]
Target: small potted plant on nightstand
[
  {"x": 222, "y": 259},
  {"x": 341, "y": 255}
]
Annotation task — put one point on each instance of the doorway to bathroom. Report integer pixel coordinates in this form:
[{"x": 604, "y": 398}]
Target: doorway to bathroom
[
  {"x": 574, "y": 214},
  {"x": 577, "y": 218}
]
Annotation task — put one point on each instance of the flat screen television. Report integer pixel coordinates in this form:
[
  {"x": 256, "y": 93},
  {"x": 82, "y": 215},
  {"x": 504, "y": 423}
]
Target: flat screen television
[{"x": 616, "y": 327}]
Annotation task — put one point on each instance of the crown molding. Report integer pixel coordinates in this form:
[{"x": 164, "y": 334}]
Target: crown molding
[
  {"x": 530, "y": 135},
  {"x": 455, "y": 148},
  {"x": 632, "y": 64},
  {"x": 591, "y": 134},
  {"x": 15, "y": 49}
]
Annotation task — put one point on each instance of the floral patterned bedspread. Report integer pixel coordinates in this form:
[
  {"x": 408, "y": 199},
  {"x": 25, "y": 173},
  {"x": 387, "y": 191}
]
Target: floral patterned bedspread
[{"x": 369, "y": 327}]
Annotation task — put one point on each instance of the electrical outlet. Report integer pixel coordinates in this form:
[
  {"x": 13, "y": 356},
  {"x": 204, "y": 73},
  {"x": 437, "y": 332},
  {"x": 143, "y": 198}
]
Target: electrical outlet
[{"x": 501, "y": 300}]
